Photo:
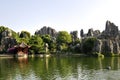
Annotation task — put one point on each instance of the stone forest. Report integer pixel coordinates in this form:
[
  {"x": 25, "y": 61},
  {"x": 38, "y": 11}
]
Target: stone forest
[{"x": 48, "y": 41}]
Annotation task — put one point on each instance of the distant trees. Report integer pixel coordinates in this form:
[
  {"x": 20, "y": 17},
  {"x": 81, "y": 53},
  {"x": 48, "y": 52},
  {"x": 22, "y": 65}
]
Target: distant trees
[
  {"x": 64, "y": 37},
  {"x": 63, "y": 40},
  {"x": 24, "y": 36},
  {"x": 88, "y": 45},
  {"x": 36, "y": 44}
]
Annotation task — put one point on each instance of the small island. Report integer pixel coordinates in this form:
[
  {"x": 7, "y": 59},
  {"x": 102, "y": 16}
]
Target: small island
[{"x": 48, "y": 41}]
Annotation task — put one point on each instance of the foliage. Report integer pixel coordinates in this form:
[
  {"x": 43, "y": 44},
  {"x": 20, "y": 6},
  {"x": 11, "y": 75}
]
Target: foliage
[
  {"x": 63, "y": 40},
  {"x": 36, "y": 43},
  {"x": 64, "y": 37},
  {"x": 24, "y": 34},
  {"x": 46, "y": 38},
  {"x": 51, "y": 42},
  {"x": 88, "y": 45}
]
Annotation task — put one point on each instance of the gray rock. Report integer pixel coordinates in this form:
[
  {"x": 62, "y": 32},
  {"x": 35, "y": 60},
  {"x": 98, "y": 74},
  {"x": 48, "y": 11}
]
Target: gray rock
[
  {"x": 107, "y": 46},
  {"x": 7, "y": 41},
  {"x": 96, "y": 33},
  {"x": 90, "y": 32},
  {"x": 97, "y": 46},
  {"x": 81, "y": 33},
  {"x": 111, "y": 31},
  {"x": 47, "y": 30},
  {"x": 74, "y": 35}
]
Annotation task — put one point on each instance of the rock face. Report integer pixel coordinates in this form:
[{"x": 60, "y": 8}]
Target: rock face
[
  {"x": 74, "y": 35},
  {"x": 111, "y": 31},
  {"x": 47, "y": 30},
  {"x": 81, "y": 33},
  {"x": 7, "y": 41},
  {"x": 108, "y": 41},
  {"x": 91, "y": 33}
]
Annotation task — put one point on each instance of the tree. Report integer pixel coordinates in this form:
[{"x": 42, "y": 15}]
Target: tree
[
  {"x": 46, "y": 38},
  {"x": 88, "y": 45},
  {"x": 64, "y": 37},
  {"x": 24, "y": 34},
  {"x": 63, "y": 40},
  {"x": 24, "y": 37},
  {"x": 36, "y": 43}
]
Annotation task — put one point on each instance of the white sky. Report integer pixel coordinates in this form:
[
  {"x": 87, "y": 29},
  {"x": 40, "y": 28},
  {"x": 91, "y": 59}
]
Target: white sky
[{"x": 66, "y": 15}]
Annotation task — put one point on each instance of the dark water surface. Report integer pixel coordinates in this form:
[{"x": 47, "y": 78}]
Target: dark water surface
[{"x": 60, "y": 68}]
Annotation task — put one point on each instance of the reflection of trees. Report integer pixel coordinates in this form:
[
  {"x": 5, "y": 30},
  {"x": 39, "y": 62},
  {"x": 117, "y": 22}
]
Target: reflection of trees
[
  {"x": 53, "y": 67},
  {"x": 7, "y": 70}
]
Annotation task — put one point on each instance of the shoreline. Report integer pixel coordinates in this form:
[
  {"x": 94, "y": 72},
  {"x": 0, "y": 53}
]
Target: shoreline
[{"x": 41, "y": 55}]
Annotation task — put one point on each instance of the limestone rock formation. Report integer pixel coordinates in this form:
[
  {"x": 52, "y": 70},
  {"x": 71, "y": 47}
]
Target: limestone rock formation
[
  {"x": 47, "y": 30},
  {"x": 108, "y": 41},
  {"x": 111, "y": 31},
  {"x": 97, "y": 46},
  {"x": 90, "y": 32},
  {"x": 7, "y": 41},
  {"x": 81, "y": 33},
  {"x": 74, "y": 35}
]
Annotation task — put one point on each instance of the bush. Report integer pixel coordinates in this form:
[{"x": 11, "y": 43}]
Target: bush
[{"x": 88, "y": 44}]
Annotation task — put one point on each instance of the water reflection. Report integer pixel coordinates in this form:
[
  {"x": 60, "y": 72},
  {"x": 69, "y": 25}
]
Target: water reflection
[{"x": 59, "y": 68}]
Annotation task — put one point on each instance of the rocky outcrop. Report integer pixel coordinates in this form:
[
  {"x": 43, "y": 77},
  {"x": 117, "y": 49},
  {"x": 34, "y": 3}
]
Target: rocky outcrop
[
  {"x": 108, "y": 41},
  {"x": 111, "y": 31},
  {"x": 91, "y": 33},
  {"x": 74, "y": 35},
  {"x": 97, "y": 46},
  {"x": 7, "y": 41},
  {"x": 81, "y": 33},
  {"x": 47, "y": 30}
]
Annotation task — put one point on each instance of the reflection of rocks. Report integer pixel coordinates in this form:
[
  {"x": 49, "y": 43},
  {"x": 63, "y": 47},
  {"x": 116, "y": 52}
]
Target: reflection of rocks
[
  {"x": 7, "y": 41},
  {"x": 47, "y": 30}
]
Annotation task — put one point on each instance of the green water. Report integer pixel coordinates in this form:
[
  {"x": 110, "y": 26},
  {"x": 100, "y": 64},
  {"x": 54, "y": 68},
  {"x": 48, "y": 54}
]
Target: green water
[{"x": 60, "y": 68}]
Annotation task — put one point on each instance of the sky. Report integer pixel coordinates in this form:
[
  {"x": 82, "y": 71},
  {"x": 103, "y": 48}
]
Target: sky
[{"x": 67, "y": 15}]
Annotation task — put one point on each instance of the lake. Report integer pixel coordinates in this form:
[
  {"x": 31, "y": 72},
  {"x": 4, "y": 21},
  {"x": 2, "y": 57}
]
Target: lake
[{"x": 60, "y": 68}]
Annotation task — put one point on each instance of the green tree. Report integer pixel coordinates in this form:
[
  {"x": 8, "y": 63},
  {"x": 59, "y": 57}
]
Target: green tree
[
  {"x": 51, "y": 42},
  {"x": 64, "y": 37},
  {"x": 25, "y": 34},
  {"x": 36, "y": 43},
  {"x": 63, "y": 40},
  {"x": 46, "y": 38},
  {"x": 88, "y": 45}
]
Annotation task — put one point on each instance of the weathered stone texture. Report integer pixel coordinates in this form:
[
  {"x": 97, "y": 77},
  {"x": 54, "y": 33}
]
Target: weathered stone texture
[
  {"x": 74, "y": 35},
  {"x": 47, "y": 30},
  {"x": 108, "y": 41},
  {"x": 7, "y": 41}
]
